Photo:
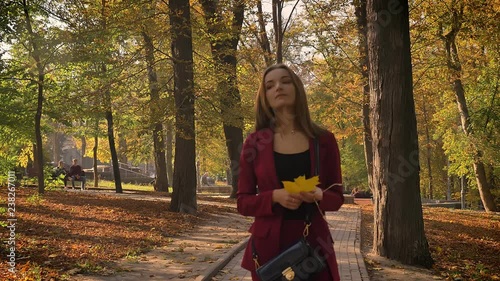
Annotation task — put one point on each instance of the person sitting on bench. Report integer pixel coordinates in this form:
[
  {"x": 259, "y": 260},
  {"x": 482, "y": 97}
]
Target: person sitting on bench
[
  {"x": 60, "y": 170},
  {"x": 76, "y": 173}
]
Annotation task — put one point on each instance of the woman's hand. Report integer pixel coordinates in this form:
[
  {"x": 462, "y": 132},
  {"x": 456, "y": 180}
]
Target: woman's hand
[
  {"x": 310, "y": 197},
  {"x": 288, "y": 200}
]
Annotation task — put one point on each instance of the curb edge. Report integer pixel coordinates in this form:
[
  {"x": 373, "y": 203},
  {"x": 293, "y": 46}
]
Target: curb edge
[{"x": 221, "y": 262}]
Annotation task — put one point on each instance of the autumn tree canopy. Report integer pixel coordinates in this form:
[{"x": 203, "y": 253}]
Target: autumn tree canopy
[{"x": 73, "y": 71}]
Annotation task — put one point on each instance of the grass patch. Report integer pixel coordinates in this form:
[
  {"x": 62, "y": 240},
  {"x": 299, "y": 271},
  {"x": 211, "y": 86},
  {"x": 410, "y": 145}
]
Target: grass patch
[{"x": 105, "y": 184}]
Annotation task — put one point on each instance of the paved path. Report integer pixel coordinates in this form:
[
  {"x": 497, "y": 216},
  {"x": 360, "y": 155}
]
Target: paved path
[{"x": 345, "y": 226}]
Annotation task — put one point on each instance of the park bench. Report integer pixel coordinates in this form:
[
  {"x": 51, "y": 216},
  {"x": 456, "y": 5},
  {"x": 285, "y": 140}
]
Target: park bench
[{"x": 78, "y": 183}]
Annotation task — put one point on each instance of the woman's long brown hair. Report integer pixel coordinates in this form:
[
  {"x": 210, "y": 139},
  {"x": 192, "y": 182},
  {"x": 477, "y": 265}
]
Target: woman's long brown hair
[{"x": 265, "y": 116}]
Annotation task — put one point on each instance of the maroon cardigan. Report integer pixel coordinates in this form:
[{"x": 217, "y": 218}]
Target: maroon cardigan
[{"x": 257, "y": 169}]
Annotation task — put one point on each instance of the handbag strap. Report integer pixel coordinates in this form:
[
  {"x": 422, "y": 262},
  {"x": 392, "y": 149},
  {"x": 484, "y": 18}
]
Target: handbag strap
[
  {"x": 307, "y": 218},
  {"x": 316, "y": 156}
]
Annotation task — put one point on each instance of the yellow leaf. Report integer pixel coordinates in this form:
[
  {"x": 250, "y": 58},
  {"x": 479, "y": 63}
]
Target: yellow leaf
[
  {"x": 301, "y": 184},
  {"x": 291, "y": 186}
]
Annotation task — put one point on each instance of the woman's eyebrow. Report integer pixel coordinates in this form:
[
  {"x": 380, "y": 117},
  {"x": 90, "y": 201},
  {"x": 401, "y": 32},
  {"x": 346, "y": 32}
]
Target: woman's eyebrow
[{"x": 284, "y": 76}]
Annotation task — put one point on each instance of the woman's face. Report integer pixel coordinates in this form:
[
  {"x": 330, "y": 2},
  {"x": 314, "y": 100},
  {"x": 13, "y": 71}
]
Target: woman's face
[{"x": 280, "y": 91}]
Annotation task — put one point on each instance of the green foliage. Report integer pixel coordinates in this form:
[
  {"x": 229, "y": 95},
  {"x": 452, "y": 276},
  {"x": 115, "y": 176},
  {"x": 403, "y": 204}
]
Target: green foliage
[
  {"x": 354, "y": 172},
  {"x": 3, "y": 212},
  {"x": 52, "y": 183},
  {"x": 435, "y": 97},
  {"x": 35, "y": 199}
]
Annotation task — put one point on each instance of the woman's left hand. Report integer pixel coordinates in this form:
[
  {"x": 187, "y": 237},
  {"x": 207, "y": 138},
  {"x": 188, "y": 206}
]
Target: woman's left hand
[{"x": 310, "y": 197}]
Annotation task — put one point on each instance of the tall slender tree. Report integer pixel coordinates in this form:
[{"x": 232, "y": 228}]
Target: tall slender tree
[
  {"x": 399, "y": 228},
  {"x": 456, "y": 15},
  {"x": 262, "y": 35},
  {"x": 109, "y": 110},
  {"x": 184, "y": 183},
  {"x": 224, "y": 43},
  {"x": 278, "y": 28},
  {"x": 360, "y": 12},
  {"x": 34, "y": 50},
  {"x": 161, "y": 182}
]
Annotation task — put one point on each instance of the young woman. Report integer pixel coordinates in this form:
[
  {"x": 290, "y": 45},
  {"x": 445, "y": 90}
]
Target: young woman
[{"x": 281, "y": 149}]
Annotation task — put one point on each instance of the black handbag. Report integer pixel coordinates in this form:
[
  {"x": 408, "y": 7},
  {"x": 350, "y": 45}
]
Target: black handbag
[{"x": 298, "y": 262}]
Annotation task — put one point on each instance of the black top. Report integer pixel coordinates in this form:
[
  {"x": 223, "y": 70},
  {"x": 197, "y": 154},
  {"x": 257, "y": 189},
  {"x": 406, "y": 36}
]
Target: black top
[{"x": 289, "y": 167}]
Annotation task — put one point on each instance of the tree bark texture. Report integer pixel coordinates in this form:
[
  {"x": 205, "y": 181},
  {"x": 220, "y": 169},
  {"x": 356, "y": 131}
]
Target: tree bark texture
[
  {"x": 184, "y": 184},
  {"x": 161, "y": 182},
  {"x": 169, "y": 147},
  {"x": 224, "y": 48},
  {"x": 399, "y": 228}
]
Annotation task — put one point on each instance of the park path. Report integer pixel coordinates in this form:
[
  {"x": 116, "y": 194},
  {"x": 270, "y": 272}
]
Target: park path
[
  {"x": 212, "y": 251},
  {"x": 345, "y": 227}
]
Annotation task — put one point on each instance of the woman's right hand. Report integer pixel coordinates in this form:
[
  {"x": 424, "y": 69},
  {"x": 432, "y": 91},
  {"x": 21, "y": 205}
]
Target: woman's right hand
[{"x": 286, "y": 199}]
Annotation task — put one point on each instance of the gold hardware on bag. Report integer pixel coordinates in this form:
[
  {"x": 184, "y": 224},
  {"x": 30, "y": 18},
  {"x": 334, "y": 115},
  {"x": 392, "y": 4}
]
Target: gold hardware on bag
[
  {"x": 288, "y": 273},
  {"x": 256, "y": 261},
  {"x": 306, "y": 229}
]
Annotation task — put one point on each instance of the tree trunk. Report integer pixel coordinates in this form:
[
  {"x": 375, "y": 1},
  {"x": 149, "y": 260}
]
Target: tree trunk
[
  {"x": 112, "y": 148},
  {"x": 360, "y": 12},
  {"x": 399, "y": 228},
  {"x": 94, "y": 164},
  {"x": 224, "y": 54},
  {"x": 170, "y": 145},
  {"x": 198, "y": 175},
  {"x": 184, "y": 184},
  {"x": 122, "y": 149},
  {"x": 109, "y": 119},
  {"x": 481, "y": 179},
  {"x": 455, "y": 69},
  {"x": 262, "y": 38},
  {"x": 449, "y": 181},
  {"x": 161, "y": 182},
  {"x": 38, "y": 133},
  {"x": 278, "y": 29},
  {"x": 57, "y": 145},
  {"x": 234, "y": 140},
  {"x": 84, "y": 149},
  {"x": 35, "y": 53},
  {"x": 463, "y": 191},
  {"x": 428, "y": 154}
]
